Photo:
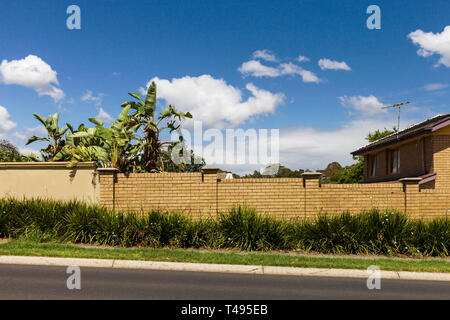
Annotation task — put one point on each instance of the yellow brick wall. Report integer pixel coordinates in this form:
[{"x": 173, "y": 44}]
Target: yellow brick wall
[
  {"x": 191, "y": 193},
  {"x": 433, "y": 203},
  {"x": 283, "y": 197},
  {"x": 202, "y": 195},
  {"x": 441, "y": 160}
]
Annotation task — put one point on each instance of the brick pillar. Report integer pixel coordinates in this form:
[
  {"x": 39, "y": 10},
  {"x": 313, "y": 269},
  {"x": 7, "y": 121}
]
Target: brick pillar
[
  {"x": 311, "y": 179},
  {"x": 311, "y": 183},
  {"x": 107, "y": 180},
  {"x": 210, "y": 190},
  {"x": 411, "y": 189}
]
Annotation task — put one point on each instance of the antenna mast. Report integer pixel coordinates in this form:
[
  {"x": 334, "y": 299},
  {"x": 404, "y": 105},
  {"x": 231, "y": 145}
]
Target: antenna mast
[{"x": 397, "y": 105}]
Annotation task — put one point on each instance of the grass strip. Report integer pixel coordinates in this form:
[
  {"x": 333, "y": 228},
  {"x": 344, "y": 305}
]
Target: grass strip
[{"x": 28, "y": 248}]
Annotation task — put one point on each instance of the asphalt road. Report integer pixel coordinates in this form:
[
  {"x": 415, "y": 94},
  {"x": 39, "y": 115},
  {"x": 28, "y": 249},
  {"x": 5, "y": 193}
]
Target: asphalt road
[{"x": 43, "y": 282}]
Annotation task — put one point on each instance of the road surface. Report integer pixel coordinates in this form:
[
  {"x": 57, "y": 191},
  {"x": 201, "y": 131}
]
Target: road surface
[{"x": 44, "y": 282}]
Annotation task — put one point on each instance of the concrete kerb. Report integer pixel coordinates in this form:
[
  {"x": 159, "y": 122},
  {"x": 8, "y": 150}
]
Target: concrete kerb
[{"x": 221, "y": 268}]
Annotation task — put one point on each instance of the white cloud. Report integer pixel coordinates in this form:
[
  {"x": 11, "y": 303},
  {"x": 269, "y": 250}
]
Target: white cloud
[
  {"x": 433, "y": 43},
  {"x": 265, "y": 55},
  {"x": 104, "y": 116},
  {"x": 292, "y": 69},
  {"x": 32, "y": 72},
  {"x": 28, "y": 132},
  {"x": 435, "y": 86},
  {"x": 215, "y": 102},
  {"x": 310, "y": 148},
  {"x": 364, "y": 106},
  {"x": 256, "y": 69},
  {"x": 6, "y": 124},
  {"x": 302, "y": 59},
  {"x": 326, "y": 64},
  {"x": 89, "y": 96},
  {"x": 27, "y": 151},
  {"x": 303, "y": 147}
]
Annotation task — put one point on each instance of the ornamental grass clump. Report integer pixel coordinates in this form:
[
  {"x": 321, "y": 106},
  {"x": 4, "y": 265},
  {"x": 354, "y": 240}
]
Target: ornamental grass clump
[
  {"x": 245, "y": 229},
  {"x": 373, "y": 232}
]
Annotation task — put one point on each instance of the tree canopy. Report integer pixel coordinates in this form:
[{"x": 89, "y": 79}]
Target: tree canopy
[{"x": 131, "y": 143}]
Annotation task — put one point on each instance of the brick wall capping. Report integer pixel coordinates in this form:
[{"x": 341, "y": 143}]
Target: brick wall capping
[
  {"x": 107, "y": 170},
  {"x": 410, "y": 180},
  {"x": 46, "y": 165},
  {"x": 311, "y": 175},
  {"x": 210, "y": 170}
]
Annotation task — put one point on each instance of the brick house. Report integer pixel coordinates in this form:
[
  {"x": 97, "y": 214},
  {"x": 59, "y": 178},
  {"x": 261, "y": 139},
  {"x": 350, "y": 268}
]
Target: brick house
[{"x": 422, "y": 150}]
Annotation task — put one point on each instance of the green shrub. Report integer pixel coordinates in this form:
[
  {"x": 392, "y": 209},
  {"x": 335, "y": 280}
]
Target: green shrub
[
  {"x": 245, "y": 229},
  {"x": 374, "y": 232}
]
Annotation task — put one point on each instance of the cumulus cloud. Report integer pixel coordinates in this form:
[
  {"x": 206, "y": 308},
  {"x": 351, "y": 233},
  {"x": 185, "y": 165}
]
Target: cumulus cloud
[
  {"x": 27, "y": 151},
  {"x": 369, "y": 105},
  {"x": 90, "y": 97},
  {"x": 327, "y": 64},
  {"x": 6, "y": 124},
  {"x": 302, "y": 59},
  {"x": 104, "y": 116},
  {"x": 215, "y": 102},
  {"x": 32, "y": 72},
  {"x": 310, "y": 148},
  {"x": 292, "y": 69},
  {"x": 433, "y": 43},
  {"x": 28, "y": 132},
  {"x": 435, "y": 86},
  {"x": 256, "y": 69},
  {"x": 302, "y": 147},
  {"x": 265, "y": 55}
]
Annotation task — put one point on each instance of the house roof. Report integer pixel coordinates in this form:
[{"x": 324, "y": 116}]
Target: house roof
[{"x": 413, "y": 131}]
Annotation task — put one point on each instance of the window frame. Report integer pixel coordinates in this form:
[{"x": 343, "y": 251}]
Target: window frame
[
  {"x": 373, "y": 165},
  {"x": 394, "y": 161}
]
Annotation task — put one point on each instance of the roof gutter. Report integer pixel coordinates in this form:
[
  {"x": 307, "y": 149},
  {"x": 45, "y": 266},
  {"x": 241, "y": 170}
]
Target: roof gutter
[{"x": 391, "y": 142}]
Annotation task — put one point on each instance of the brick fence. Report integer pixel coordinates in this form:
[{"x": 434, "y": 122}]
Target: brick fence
[{"x": 203, "y": 194}]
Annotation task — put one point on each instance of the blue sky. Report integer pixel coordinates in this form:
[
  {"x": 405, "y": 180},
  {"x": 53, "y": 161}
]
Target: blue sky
[{"x": 232, "y": 63}]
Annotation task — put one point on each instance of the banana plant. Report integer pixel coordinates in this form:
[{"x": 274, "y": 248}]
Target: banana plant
[
  {"x": 109, "y": 147},
  {"x": 54, "y": 137},
  {"x": 147, "y": 126}
]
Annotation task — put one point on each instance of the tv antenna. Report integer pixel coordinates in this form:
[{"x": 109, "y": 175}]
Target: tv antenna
[{"x": 397, "y": 105}]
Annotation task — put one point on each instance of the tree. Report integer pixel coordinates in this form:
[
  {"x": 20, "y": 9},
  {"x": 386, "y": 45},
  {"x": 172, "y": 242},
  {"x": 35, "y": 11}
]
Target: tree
[
  {"x": 282, "y": 172},
  {"x": 147, "y": 127},
  {"x": 55, "y": 136},
  {"x": 186, "y": 160},
  {"x": 255, "y": 174},
  {"x": 331, "y": 169},
  {"x": 9, "y": 152},
  {"x": 377, "y": 135},
  {"x": 349, "y": 174},
  {"x": 131, "y": 143},
  {"x": 109, "y": 147}
]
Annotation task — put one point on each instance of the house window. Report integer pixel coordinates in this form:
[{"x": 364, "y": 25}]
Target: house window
[
  {"x": 373, "y": 165},
  {"x": 394, "y": 165}
]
